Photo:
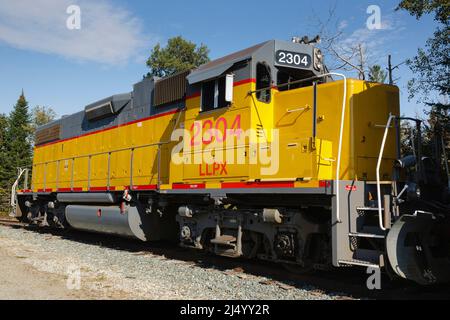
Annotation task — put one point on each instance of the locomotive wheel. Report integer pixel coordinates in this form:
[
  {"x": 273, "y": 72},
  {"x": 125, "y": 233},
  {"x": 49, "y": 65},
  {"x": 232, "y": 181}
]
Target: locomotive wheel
[{"x": 418, "y": 249}]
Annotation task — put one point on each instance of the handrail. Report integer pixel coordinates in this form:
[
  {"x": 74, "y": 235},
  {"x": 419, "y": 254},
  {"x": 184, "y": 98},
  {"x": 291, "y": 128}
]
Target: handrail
[
  {"x": 380, "y": 158},
  {"x": 14, "y": 186},
  {"x": 297, "y": 82},
  {"x": 298, "y": 109},
  {"x": 101, "y": 153},
  {"x": 341, "y": 135},
  {"x": 89, "y": 156}
]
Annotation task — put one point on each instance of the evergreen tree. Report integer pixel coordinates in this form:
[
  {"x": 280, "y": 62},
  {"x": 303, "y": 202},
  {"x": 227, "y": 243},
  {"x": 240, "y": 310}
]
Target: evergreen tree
[
  {"x": 3, "y": 129},
  {"x": 377, "y": 74},
  {"x": 18, "y": 146},
  {"x": 17, "y": 151},
  {"x": 3, "y": 190},
  {"x": 3, "y": 126}
]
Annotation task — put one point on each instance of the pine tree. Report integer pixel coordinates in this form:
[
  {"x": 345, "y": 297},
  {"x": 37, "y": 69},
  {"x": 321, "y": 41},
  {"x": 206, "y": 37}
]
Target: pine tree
[
  {"x": 3, "y": 190},
  {"x": 18, "y": 146},
  {"x": 377, "y": 74},
  {"x": 3, "y": 126},
  {"x": 17, "y": 151}
]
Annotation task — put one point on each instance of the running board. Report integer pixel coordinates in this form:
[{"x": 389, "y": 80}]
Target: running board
[
  {"x": 366, "y": 235},
  {"x": 368, "y": 209},
  {"x": 359, "y": 263}
]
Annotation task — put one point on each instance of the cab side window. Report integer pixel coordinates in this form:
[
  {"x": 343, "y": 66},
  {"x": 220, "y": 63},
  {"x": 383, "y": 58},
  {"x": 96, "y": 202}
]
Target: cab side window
[
  {"x": 213, "y": 94},
  {"x": 263, "y": 82}
]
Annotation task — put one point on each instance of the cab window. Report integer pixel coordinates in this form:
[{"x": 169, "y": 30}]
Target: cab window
[
  {"x": 213, "y": 94},
  {"x": 263, "y": 81}
]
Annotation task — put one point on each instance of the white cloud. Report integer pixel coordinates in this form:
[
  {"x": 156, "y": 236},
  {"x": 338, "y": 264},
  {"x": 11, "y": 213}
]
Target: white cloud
[
  {"x": 375, "y": 41},
  {"x": 343, "y": 24},
  {"x": 108, "y": 34}
]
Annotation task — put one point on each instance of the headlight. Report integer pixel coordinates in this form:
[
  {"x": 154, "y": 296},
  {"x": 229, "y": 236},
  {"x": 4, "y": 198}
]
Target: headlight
[{"x": 318, "y": 58}]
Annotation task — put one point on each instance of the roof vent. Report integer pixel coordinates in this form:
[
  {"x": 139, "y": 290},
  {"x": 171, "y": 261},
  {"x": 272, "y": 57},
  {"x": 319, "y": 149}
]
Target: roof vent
[{"x": 107, "y": 107}]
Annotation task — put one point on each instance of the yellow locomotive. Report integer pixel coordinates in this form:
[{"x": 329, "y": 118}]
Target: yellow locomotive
[{"x": 259, "y": 154}]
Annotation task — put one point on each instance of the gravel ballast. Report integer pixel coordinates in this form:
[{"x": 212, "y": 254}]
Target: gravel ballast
[{"x": 110, "y": 273}]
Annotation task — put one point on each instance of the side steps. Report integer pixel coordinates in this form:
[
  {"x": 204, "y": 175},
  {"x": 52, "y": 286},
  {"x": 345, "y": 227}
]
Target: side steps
[
  {"x": 358, "y": 239},
  {"x": 368, "y": 231},
  {"x": 225, "y": 240},
  {"x": 226, "y": 244}
]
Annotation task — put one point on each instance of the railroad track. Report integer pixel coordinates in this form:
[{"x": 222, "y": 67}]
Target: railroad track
[
  {"x": 12, "y": 222},
  {"x": 350, "y": 281}
]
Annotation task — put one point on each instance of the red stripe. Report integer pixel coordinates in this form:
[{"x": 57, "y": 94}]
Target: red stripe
[
  {"x": 69, "y": 189},
  {"x": 146, "y": 187},
  {"x": 188, "y": 186},
  {"x": 111, "y": 128},
  {"x": 181, "y": 186},
  {"x": 251, "y": 80},
  {"x": 90, "y": 189},
  {"x": 233, "y": 185},
  {"x": 98, "y": 189}
]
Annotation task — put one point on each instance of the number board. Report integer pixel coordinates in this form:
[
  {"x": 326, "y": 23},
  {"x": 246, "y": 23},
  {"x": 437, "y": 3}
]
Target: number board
[{"x": 293, "y": 59}]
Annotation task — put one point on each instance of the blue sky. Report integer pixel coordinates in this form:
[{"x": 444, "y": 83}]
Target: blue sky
[{"x": 68, "y": 69}]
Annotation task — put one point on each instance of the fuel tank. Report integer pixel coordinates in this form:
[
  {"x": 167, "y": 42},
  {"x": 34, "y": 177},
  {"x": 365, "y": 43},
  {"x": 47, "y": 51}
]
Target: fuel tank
[{"x": 133, "y": 222}]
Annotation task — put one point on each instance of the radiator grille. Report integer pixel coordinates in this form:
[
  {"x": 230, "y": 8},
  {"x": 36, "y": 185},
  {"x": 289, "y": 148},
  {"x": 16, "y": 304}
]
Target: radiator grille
[
  {"x": 170, "y": 89},
  {"x": 47, "y": 135}
]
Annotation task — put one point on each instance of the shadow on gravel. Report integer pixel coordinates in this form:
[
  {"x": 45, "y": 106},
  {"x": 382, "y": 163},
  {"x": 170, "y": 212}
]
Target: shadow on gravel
[{"x": 341, "y": 282}]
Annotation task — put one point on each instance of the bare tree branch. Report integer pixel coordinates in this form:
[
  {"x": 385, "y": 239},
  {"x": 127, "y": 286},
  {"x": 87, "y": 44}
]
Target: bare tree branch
[
  {"x": 347, "y": 61},
  {"x": 342, "y": 54}
]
